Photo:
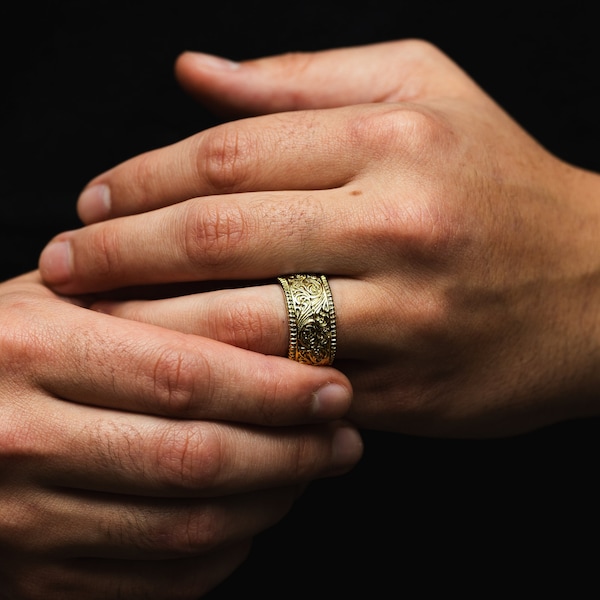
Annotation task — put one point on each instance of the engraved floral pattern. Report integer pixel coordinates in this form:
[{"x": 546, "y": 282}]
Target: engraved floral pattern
[{"x": 312, "y": 318}]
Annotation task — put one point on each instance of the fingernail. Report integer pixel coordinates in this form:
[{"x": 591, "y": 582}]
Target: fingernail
[
  {"x": 211, "y": 61},
  {"x": 331, "y": 401},
  {"x": 347, "y": 448},
  {"x": 55, "y": 262},
  {"x": 93, "y": 204}
]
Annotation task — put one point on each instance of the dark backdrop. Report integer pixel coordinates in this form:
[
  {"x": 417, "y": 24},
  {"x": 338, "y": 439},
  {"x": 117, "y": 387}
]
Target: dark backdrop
[{"x": 86, "y": 85}]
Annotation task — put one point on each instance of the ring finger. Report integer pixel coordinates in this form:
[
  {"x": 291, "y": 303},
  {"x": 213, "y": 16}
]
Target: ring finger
[{"x": 256, "y": 317}]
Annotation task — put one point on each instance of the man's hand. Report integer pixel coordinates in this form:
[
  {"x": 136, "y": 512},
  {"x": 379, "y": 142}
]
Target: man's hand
[{"x": 462, "y": 255}]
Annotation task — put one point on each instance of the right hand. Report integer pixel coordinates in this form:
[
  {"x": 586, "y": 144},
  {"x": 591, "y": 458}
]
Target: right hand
[{"x": 139, "y": 462}]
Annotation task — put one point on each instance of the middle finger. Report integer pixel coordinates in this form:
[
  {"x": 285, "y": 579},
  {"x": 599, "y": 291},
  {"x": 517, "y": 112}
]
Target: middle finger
[
  {"x": 216, "y": 238},
  {"x": 294, "y": 150}
]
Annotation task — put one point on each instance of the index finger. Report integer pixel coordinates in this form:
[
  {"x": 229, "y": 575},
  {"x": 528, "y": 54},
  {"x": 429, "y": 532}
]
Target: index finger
[
  {"x": 96, "y": 359},
  {"x": 294, "y": 149}
]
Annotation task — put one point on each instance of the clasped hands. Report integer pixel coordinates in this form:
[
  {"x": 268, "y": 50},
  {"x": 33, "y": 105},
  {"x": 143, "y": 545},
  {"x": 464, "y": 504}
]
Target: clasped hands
[
  {"x": 460, "y": 255},
  {"x": 460, "y": 252}
]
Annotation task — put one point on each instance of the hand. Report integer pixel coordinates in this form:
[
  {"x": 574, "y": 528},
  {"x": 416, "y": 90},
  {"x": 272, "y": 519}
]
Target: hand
[
  {"x": 139, "y": 462},
  {"x": 461, "y": 254}
]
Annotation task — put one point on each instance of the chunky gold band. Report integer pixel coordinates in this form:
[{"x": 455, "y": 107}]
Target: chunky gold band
[{"x": 311, "y": 314}]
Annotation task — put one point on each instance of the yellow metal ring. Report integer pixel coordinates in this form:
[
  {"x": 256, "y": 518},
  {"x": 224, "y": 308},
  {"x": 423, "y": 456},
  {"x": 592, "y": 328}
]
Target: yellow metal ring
[{"x": 311, "y": 316}]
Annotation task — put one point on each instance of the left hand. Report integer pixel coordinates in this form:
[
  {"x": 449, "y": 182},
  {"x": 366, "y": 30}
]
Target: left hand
[{"x": 461, "y": 254}]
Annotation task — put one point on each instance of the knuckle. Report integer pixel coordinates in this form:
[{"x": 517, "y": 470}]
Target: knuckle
[
  {"x": 417, "y": 232},
  {"x": 189, "y": 456},
  {"x": 431, "y": 318},
  {"x": 306, "y": 459},
  {"x": 175, "y": 382},
  {"x": 19, "y": 519},
  {"x": 411, "y": 133},
  {"x": 212, "y": 232},
  {"x": 427, "y": 232},
  {"x": 423, "y": 131},
  {"x": 224, "y": 158},
  {"x": 103, "y": 257},
  {"x": 426, "y": 225},
  {"x": 418, "y": 50},
  {"x": 139, "y": 176},
  {"x": 21, "y": 345},
  {"x": 249, "y": 326},
  {"x": 199, "y": 530},
  {"x": 292, "y": 63},
  {"x": 431, "y": 324},
  {"x": 133, "y": 310},
  {"x": 16, "y": 437},
  {"x": 189, "y": 529}
]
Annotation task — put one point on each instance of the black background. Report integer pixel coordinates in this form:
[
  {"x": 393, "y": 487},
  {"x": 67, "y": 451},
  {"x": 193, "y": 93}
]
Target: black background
[{"x": 86, "y": 85}]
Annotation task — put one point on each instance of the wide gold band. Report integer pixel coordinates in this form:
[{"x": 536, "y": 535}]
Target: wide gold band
[{"x": 311, "y": 314}]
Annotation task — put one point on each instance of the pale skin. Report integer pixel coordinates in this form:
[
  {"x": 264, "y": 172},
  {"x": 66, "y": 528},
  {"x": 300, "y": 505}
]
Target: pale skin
[
  {"x": 122, "y": 472},
  {"x": 461, "y": 254}
]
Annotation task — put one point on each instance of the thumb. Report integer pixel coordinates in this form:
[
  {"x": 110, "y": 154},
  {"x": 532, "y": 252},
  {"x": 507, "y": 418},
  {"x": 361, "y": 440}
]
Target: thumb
[{"x": 405, "y": 70}]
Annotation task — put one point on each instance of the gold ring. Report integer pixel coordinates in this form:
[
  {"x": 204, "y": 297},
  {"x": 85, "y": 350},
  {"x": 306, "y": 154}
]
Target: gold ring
[{"x": 311, "y": 316}]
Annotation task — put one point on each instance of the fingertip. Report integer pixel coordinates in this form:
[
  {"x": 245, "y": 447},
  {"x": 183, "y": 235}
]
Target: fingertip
[
  {"x": 56, "y": 262},
  {"x": 94, "y": 203},
  {"x": 347, "y": 448},
  {"x": 332, "y": 400},
  {"x": 203, "y": 61}
]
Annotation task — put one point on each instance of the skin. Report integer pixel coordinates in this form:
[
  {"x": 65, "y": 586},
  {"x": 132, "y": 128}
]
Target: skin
[
  {"x": 462, "y": 255},
  {"x": 113, "y": 485}
]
